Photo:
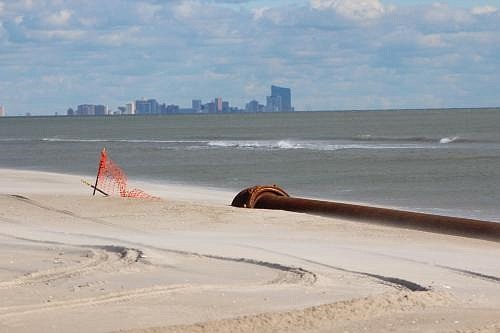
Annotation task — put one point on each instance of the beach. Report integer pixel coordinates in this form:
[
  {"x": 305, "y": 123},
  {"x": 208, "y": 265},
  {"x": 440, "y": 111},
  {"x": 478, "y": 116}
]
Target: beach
[{"x": 188, "y": 262}]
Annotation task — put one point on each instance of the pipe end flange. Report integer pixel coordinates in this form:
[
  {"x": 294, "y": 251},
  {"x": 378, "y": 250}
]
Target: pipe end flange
[{"x": 249, "y": 196}]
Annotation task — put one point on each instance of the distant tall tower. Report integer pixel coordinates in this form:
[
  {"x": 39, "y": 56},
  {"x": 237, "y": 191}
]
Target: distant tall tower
[
  {"x": 130, "y": 108},
  {"x": 218, "y": 104},
  {"x": 2, "y": 111},
  {"x": 196, "y": 104},
  {"x": 284, "y": 96}
]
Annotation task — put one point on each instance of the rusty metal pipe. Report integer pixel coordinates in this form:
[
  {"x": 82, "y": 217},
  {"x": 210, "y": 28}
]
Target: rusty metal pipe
[{"x": 273, "y": 197}]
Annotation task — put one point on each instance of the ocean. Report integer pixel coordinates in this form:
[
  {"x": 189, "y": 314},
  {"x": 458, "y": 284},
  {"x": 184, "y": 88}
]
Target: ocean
[{"x": 438, "y": 161}]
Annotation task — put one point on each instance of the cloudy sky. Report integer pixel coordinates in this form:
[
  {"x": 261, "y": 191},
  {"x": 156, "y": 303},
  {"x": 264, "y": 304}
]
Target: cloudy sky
[{"x": 334, "y": 54}]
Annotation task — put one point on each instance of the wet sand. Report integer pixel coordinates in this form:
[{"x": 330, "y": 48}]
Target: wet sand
[{"x": 189, "y": 262}]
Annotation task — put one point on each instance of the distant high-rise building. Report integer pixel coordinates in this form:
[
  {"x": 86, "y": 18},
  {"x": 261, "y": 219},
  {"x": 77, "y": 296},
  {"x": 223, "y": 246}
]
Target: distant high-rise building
[
  {"x": 172, "y": 108},
  {"x": 2, "y": 111},
  {"x": 273, "y": 104},
  {"x": 225, "y": 107},
  {"x": 142, "y": 107},
  {"x": 149, "y": 106},
  {"x": 85, "y": 110},
  {"x": 100, "y": 110},
  {"x": 285, "y": 95},
  {"x": 210, "y": 107},
  {"x": 218, "y": 104},
  {"x": 253, "y": 106},
  {"x": 196, "y": 105},
  {"x": 154, "y": 106},
  {"x": 130, "y": 108}
]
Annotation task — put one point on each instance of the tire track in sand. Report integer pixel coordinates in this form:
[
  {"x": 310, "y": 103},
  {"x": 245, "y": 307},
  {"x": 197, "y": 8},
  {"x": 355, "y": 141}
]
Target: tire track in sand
[
  {"x": 461, "y": 271},
  {"x": 288, "y": 274},
  {"x": 98, "y": 257},
  {"x": 396, "y": 282}
]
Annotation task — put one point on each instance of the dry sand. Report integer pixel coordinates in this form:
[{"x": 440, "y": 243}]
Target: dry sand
[{"x": 70, "y": 262}]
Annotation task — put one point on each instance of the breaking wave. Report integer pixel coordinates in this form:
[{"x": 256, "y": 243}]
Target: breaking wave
[
  {"x": 306, "y": 145},
  {"x": 415, "y": 139},
  {"x": 363, "y": 141},
  {"x": 449, "y": 139}
]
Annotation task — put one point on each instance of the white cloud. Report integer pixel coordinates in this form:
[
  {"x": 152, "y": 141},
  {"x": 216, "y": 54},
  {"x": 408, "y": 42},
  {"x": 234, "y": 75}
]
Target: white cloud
[
  {"x": 60, "y": 17},
  {"x": 3, "y": 33},
  {"x": 28, "y": 3},
  {"x": 212, "y": 75},
  {"x": 88, "y": 21},
  {"x": 185, "y": 48},
  {"x": 443, "y": 14},
  {"x": 148, "y": 12},
  {"x": 474, "y": 38},
  {"x": 484, "y": 10},
  {"x": 44, "y": 35},
  {"x": 258, "y": 13},
  {"x": 253, "y": 88},
  {"x": 432, "y": 40},
  {"x": 128, "y": 36},
  {"x": 186, "y": 9},
  {"x": 55, "y": 79},
  {"x": 439, "y": 61},
  {"x": 352, "y": 9}
]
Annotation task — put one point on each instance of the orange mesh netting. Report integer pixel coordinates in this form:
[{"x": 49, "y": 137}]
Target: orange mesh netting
[{"x": 112, "y": 179}]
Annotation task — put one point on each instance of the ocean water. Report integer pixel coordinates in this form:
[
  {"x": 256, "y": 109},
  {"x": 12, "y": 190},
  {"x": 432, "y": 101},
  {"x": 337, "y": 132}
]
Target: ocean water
[{"x": 440, "y": 161}]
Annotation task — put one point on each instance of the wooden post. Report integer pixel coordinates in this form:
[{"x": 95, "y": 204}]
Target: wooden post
[
  {"x": 95, "y": 188},
  {"x": 99, "y": 168}
]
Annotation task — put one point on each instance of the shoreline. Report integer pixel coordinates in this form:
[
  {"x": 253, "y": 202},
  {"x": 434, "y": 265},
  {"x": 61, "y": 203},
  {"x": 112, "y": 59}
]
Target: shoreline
[
  {"x": 162, "y": 189},
  {"x": 372, "y": 159},
  {"x": 211, "y": 192},
  {"x": 190, "y": 262}
]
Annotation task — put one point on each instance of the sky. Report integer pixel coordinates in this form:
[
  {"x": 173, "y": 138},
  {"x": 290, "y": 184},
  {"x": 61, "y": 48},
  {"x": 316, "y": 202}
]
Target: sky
[{"x": 333, "y": 54}]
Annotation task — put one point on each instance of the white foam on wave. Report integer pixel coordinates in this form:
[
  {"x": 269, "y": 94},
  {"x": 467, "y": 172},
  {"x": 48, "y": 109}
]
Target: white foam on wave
[
  {"x": 307, "y": 145},
  {"x": 449, "y": 139},
  {"x": 119, "y": 140},
  {"x": 222, "y": 144},
  {"x": 15, "y": 140},
  {"x": 315, "y": 145},
  {"x": 285, "y": 144},
  {"x": 282, "y": 144}
]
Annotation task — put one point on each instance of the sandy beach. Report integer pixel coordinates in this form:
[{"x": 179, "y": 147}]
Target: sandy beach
[{"x": 188, "y": 262}]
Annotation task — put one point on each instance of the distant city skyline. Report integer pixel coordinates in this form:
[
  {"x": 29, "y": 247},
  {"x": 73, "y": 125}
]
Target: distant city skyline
[
  {"x": 336, "y": 54},
  {"x": 279, "y": 100}
]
